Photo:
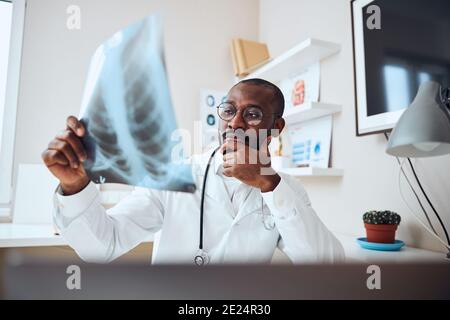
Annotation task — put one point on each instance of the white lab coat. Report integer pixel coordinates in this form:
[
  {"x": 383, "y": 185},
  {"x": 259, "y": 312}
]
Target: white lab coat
[{"x": 100, "y": 235}]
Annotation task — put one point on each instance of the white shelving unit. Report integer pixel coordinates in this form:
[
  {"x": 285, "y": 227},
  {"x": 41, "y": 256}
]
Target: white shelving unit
[
  {"x": 310, "y": 111},
  {"x": 313, "y": 172},
  {"x": 295, "y": 60},
  {"x": 289, "y": 64}
]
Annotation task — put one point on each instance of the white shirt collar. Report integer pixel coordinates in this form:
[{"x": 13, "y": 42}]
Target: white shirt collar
[
  {"x": 218, "y": 162},
  {"x": 218, "y": 167}
]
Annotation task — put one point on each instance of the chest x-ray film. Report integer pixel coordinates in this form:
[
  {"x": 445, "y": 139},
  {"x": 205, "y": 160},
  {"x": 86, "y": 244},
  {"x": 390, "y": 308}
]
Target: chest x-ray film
[{"x": 128, "y": 113}]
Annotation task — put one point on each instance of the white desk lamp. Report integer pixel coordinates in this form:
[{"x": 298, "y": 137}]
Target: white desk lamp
[{"x": 424, "y": 129}]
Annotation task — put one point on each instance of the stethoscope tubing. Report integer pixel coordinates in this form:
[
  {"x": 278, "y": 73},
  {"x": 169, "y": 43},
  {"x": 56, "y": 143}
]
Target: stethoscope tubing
[{"x": 202, "y": 203}]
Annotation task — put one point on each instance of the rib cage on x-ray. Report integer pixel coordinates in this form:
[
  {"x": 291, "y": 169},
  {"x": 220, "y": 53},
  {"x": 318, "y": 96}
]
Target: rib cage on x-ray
[
  {"x": 108, "y": 152},
  {"x": 128, "y": 113},
  {"x": 143, "y": 113}
]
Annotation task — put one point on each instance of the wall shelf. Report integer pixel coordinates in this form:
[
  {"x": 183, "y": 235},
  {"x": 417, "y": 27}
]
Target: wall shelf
[
  {"x": 313, "y": 172},
  {"x": 309, "y": 111},
  {"x": 295, "y": 60},
  {"x": 288, "y": 65}
]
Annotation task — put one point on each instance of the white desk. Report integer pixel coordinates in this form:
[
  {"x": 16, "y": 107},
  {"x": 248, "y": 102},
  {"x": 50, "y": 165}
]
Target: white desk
[
  {"x": 28, "y": 235},
  {"x": 17, "y": 235},
  {"x": 354, "y": 253},
  {"x": 21, "y": 235}
]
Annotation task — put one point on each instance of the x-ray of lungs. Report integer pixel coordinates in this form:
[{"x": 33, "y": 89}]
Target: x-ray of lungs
[{"x": 128, "y": 113}]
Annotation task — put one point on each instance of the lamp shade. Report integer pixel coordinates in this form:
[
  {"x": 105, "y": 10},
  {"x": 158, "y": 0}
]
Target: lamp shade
[{"x": 423, "y": 130}]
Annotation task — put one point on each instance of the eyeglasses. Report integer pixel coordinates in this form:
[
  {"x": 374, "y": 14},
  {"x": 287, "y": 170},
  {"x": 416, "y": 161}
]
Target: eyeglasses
[{"x": 252, "y": 115}]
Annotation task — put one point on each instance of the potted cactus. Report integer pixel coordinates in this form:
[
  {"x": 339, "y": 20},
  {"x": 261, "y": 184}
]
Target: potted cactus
[{"x": 381, "y": 225}]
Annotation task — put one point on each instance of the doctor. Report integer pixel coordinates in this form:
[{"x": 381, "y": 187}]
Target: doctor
[{"x": 242, "y": 216}]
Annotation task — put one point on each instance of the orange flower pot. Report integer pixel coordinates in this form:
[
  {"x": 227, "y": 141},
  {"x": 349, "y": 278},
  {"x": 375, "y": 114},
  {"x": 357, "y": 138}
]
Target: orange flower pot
[{"x": 380, "y": 233}]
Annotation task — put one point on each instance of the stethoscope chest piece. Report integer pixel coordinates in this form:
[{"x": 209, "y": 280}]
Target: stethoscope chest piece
[{"x": 201, "y": 258}]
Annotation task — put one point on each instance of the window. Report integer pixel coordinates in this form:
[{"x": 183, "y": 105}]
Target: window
[
  {"x": 12, "y": 15},
  {"x": 5, "y": 32}
]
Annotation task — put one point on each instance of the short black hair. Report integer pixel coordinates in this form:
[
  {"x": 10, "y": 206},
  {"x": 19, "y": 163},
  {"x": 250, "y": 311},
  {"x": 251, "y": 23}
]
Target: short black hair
[{"x": 278, "y": 98}]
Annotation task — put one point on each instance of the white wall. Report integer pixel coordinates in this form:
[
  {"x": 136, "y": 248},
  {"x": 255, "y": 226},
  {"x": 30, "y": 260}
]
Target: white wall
[
  {"x": 55, "y": 59},
  {"x": 197, "y": 33},
  {"x": 370, "y": 180}
]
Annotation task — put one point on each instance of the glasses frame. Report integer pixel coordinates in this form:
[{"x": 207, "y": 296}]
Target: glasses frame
[{"x": 249, "y": 106}]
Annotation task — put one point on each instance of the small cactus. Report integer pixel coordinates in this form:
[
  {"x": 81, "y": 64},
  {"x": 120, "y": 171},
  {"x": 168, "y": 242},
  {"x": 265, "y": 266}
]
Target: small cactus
[{"x": 381, "y": 217}]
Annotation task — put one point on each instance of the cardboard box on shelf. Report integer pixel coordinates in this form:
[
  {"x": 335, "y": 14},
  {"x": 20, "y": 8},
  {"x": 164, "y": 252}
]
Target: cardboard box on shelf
[{"x": 248, "y": 55}]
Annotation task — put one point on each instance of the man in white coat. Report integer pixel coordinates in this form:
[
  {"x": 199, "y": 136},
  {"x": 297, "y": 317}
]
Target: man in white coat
[{"x": 247, "y": 213}]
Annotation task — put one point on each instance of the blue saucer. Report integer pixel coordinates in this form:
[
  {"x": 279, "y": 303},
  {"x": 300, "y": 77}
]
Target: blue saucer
[{"x": 397, "y": 245}]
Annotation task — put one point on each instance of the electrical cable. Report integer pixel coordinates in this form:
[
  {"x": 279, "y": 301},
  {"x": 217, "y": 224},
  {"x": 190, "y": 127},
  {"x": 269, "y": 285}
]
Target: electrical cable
[
  {"x": 413, "y": 212},
  {"x": 415, "y": 193},
  {"x": 429, "y": 202}
]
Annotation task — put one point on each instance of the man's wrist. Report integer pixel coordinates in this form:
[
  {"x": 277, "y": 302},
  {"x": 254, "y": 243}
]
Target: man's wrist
[
  {"x": 72, "y": 189},
  {"x": 270, "y": 182}
]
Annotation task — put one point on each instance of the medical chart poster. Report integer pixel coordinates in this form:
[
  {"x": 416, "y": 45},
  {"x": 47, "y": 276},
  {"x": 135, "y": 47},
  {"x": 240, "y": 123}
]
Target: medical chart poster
[
  {"x": 302, "y": 88},
  {"x": 311, "y": 142},
  {"x": 209, "y": 120}
]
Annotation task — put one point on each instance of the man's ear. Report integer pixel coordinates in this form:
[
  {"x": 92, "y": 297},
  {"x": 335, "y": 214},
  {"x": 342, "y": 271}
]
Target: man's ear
[{"x": 279, "y": 125}]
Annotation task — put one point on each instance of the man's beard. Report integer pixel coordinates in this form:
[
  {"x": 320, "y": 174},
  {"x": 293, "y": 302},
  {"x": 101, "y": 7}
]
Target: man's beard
[{"x": 251, "y": 137}]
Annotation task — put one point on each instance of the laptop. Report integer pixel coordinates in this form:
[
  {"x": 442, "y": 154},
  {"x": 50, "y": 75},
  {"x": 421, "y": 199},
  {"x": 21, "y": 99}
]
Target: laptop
[{"x": 37, "y": 280}]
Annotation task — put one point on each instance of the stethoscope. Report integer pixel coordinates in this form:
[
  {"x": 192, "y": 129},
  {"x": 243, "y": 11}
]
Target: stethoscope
[{"x": 202, "y": 257}]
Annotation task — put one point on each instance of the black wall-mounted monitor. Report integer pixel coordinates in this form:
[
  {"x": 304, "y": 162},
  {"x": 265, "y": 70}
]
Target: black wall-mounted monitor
[{"x": 398, "y": 44}]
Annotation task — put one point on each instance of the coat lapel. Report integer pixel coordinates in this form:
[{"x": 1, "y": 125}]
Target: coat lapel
[
  {"x": 215, "y": 188},
  {"x": 252, "y": 204},
  {"x": 216, "y": 191}
]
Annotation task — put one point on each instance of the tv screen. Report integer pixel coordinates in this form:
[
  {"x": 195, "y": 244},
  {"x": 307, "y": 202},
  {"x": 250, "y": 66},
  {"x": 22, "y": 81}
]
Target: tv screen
[{"x": 399, "y": 44}]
